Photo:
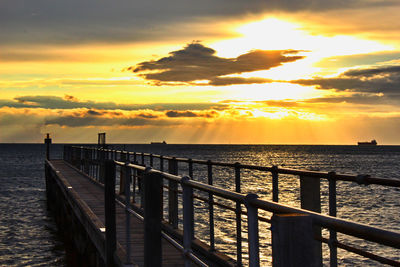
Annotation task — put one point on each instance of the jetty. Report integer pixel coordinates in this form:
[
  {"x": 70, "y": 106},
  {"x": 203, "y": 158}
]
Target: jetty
[{"x": 121, "y": 208}]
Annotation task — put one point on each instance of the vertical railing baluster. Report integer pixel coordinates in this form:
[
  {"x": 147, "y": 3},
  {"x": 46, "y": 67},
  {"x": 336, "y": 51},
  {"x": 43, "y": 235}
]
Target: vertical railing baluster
[
  {"x": 122, "y": 174},
  {"x": 92, "y": 163},
  {"x": 275, "y": 184},
  {"x": 332, "y": 212},
  {"x": 109, "y": 206},
  {"x": 101, "y": 159},
  {"x": 188, "y": 218},
  {"x": 190, "y": 162},
  {"x": 238, "y": 217},
  {"x": 81, "y": 156},
  {"x": 253, "y": 237},
  {"x": 173, "y": 194},
  {"x": 162, "y": 196},
  {"x": 143, "y": 158},
  {"x": 151, "y": 160},
  {"x": 134, "y": 178},
  {"x": 211, "y": 206},
  {"x": 127, "y": 207}
]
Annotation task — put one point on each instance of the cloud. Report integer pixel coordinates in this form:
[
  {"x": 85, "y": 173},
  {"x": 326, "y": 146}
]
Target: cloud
[
  {"x": 68, "y": 82},
  {"x": 196, "y": 62},
  {"x": 71, "y": 102},
  {"x": 85, "y": 121},
  {"x": 380, "y": 79},
  {"x": 357, "y": 60},
  {"x": 75, "y": 21},
  {"x": 175, "y": 114},
  {"x": 222, "y": 81},
  {"x": 191, "y": 114}
]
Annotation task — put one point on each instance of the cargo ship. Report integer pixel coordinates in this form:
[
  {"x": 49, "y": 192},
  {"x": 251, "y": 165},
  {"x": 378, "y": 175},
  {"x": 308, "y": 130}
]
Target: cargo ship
[
  {"x": 372, "y": 143},
  {"x": 159, "y": 143}
]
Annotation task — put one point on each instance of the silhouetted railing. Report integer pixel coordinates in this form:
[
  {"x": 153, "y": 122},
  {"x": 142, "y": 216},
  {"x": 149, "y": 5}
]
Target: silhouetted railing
[{"x": 138, "y": 168}]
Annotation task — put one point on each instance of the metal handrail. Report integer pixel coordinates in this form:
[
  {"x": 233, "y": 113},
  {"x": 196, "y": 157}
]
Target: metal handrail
[
  {"x": 332, "y": 223},
  {"x": 344, "y": 226},
  {"x": 360, "y": 179}
]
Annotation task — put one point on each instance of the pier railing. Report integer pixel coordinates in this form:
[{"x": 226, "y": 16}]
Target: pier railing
[{"x": 138, "y": 171}]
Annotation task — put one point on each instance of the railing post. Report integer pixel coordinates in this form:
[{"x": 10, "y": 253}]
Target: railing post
[
  {"x": 141, "y": 187},
  {"x": 292, "y": 241},
  {"x": 101, "y": 160},
  {"x": 109, "y": 199},
  {"x": 252, "y": 224},
  {"x": 238, "y": 217},
  {"x": 161, "y": 163},
  {"x": 152, "y": 219},
  {"x": 332, "y": 212},
  {"x": 134, "y": 178},
  {"x": 86, "y": 158},
  {"x": 188, "y": 217},
  {"x": 310, "y": 196},
  {"x": 275, "y": 184},
  {"x": 173, "y": 194},
  {"x": 127, "y": 213},
  {"x": 211, "y": 206},
  {"x": 47, "y": 141},
  {"x": 81, "y": 158},
  {"x": 122, "y": 174}
]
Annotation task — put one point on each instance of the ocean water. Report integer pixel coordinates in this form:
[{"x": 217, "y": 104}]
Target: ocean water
[{"x": 28, "y": 234}]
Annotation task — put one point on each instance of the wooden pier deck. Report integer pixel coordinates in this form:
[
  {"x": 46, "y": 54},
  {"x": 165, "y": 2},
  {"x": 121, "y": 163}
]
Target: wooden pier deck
[{"x": 88, "y": 198}]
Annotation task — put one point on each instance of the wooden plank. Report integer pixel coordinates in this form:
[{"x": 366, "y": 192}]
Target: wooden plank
[{"x": 93, "y": 195}]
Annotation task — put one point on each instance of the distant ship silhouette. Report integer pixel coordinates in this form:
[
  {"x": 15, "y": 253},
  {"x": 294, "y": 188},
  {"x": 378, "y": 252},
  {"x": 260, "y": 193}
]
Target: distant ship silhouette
[
  {"x": 372, "y": 143},
  {"x": 159, "y": 143}
]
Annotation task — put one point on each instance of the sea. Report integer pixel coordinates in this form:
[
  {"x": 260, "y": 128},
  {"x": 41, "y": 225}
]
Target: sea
[{"x": 29, "y": 237}]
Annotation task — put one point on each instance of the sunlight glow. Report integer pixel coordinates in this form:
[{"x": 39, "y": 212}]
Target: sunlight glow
[{"x": 277, "y": 34}]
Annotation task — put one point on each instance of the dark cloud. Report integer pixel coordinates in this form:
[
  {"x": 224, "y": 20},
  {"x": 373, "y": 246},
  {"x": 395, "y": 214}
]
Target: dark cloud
[
  {"x": 175, "y": 114},
  {"x": 147, "y": 115},
  {"x": 85, "y": 118},
  {"x": 71, "y": 102},
  {"x": 76, "y": 21},
  {"x": 222, "y": 81},
  {"x": 196, "y": 62},
  {"x": 381, "y": 79},
  {"x": 92, "y": 112},
  {"x": 191, "y": 114},
  {"x": 85, "y": 121}
]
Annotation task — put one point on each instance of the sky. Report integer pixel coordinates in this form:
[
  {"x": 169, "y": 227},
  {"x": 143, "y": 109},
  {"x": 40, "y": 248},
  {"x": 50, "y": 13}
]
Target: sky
[{"x": 219, "y": 72}]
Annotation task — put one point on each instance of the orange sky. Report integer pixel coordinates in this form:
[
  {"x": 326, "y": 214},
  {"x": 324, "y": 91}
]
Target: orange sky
[{"x": 286, "y": 73}]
